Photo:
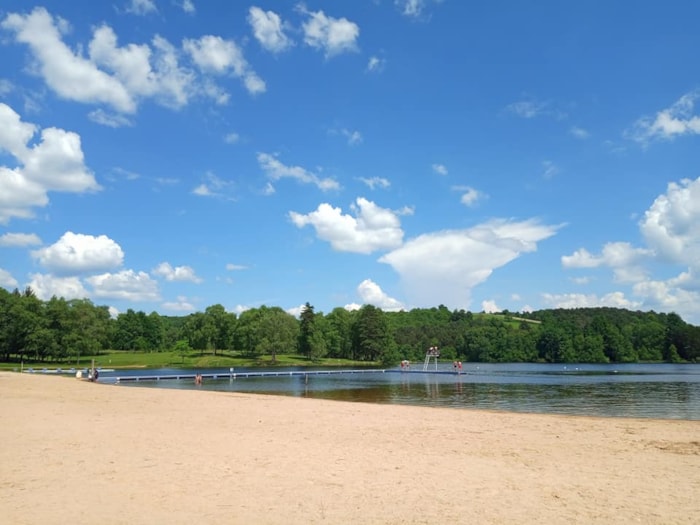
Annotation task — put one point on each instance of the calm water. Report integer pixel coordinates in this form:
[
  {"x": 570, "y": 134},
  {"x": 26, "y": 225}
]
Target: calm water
[{"x": 647, "y": 391}]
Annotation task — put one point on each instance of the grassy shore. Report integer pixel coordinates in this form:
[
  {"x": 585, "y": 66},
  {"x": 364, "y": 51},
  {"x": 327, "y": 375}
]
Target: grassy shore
[{"x": 121, "y": 359}]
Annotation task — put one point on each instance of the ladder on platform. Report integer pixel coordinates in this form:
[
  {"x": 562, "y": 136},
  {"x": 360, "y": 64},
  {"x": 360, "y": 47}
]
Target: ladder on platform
[{"x": 432, "y": 353}]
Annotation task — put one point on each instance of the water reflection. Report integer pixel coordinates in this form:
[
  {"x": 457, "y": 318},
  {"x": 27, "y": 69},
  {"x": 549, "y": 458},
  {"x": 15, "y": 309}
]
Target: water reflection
[{"x": 658, "y": 391}]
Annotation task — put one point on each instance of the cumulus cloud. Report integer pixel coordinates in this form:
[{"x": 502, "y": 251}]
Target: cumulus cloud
[
  {"x": 122, "y": 76},
  {"x": 46, "y": 286},
  {"x": 490, "y": 307},
  {"x": 625, "y": 260},
  {"x": 177, "y": 273},
  {"x": 669, "y": 123},
  {"x": 671, "y": 229},
  {"x": 268, "y": 29},
  {"x": 75, "y": 253},
  {"x": 69, "y": 75},
  {"x": 371, "y": 293},
  {"x": 331, "y": 35},
  {"x": 55, "y": 163},
  {"x": 371, "y": 228},
  {"x": 19, "y": 239},
  {"x": 470, "y": 196},
  {"x": 575, "y": 300},
  {"x": 671, "y": 226},
  {"x": 181, "y": 305},
  {"x": 213, "y": 54},
  {"x": 126, "y": 285},
  {"x": 443, "y": 267},
  {"x": 6, "y": 279},
  {"x": 275, "y": 170}
]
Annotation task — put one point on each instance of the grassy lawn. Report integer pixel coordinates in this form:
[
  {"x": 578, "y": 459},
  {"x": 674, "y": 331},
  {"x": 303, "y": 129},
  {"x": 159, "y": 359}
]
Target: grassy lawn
[{"x": 193, "y": 359}]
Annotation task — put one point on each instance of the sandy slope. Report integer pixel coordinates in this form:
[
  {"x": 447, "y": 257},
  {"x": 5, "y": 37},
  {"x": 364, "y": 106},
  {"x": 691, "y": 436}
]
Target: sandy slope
[{"x": 78, "y": 452}]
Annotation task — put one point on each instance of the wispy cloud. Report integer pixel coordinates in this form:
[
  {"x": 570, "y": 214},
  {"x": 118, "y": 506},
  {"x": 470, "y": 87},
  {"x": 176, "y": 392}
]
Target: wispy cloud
[
  {"x": 440, "y": 169},
  {"x": 668, "y": 123}
]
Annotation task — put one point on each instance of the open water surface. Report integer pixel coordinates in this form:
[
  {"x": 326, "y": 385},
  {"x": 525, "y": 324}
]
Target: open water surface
[{"x": 665, "y": 391}]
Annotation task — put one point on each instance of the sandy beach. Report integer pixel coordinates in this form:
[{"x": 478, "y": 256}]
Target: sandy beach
[{"x": 78, "y": 452}]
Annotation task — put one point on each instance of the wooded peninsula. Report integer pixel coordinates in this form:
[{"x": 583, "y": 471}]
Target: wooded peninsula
[{"x": 61, "y": 331}]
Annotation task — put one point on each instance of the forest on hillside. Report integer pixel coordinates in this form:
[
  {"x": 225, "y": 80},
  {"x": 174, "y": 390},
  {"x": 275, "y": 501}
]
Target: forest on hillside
[{"x": 60, "y": 330}]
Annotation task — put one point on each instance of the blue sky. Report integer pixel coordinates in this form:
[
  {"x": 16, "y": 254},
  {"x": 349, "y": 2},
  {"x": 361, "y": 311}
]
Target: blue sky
[{"x": 169, "y": 155}]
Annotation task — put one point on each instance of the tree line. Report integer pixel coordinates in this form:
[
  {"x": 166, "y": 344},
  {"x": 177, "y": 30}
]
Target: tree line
[{"x": 60, "y": 330}]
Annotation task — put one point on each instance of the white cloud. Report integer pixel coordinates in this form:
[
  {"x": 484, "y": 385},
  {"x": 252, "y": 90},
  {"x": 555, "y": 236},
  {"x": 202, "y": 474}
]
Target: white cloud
[
  {"x": 213, "y": 187},
  {"x": 141, "y": 7},
  {"x": 470, "y": 196},
  {"x": 5, "y": 86},
  {"x": 70, "y": 76},
  {"x": 177, "y": 273},
  {"x": 46, "y": 286},
  {"x": 440, "y": 169},
  {"x": 532, "y": 108},
  {"x": 75, "y": 253},
  {"x": 622, "y": 257},
  {"x": 669, "y": 123},
  {"x": 376, "y": 64},
  {"x": 125, "y": 285},
  {"x": 370, "y": 229},
  {"x": 550, "y": 169},
  {"x": 352, "y": 307},
  {"x": 525, "y": 109},
  {"x": 268, "y": 29},
  {"x": 679, "y": 294},
  {"x": 56, "y": 163},
  {"x": 235, "y": 267},
  {"x": 188, "y": 7},
  {"x": 331, "y": 35},
  {"x": 19, "y": 239},
  {"x": 581, "y": 258},
  {"x": 231, "y": 138},
  {"x": 443, "y": 267},
  {"x": 671, "y": 226},
  {"x": 112, "y": 120},
  {"x": 181, "y": 305},
  {"x": 490, "y": 307},
  {"x": 275, "y": 170},
  {"x": 213, "y": 54},
  {"x": 371, "y": 293},
  {"x": 354, "y": 137},
  {"x": 411, "y": 8},
  {"x": 574, "y": 300},
  {"x": 122, "y": 76},
  {"x": 376, "y": 182},
  {"x": 6, "y": 279},
  {"x": 579, "y": 133}
]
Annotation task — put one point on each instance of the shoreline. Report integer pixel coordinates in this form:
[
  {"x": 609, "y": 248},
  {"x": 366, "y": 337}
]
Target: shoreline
[{"x": 74, "y": 451}]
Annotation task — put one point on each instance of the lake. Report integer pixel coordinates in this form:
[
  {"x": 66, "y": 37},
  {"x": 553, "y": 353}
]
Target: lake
[{"x": 668, "y": 391}]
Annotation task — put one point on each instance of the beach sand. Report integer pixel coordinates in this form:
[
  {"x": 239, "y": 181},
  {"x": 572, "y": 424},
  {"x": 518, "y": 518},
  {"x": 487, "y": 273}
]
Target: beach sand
[{"x": 78, "y": 452}]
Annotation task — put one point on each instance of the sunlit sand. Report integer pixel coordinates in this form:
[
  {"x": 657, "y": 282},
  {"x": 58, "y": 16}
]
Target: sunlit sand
[{"x": 78, "y": 452}]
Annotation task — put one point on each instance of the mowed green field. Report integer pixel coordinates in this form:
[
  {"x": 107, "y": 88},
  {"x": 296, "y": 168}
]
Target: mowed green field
[{"x": 193, "y": 359}]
